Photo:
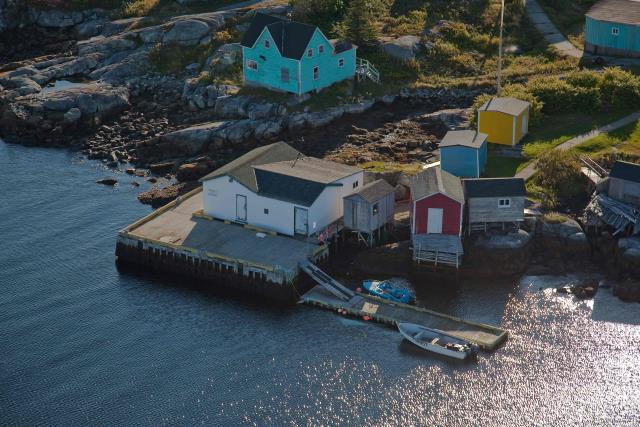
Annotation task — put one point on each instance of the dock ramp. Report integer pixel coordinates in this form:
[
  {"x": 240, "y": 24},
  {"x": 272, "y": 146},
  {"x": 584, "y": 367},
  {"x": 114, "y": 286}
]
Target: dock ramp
[
  {"x": 486, "y": 336},
  {"x": 329, "y": 283}
]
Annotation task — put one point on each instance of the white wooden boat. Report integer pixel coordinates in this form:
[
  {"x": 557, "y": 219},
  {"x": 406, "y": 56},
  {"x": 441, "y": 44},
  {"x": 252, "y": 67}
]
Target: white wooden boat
[{"x": 437, "y": 341}]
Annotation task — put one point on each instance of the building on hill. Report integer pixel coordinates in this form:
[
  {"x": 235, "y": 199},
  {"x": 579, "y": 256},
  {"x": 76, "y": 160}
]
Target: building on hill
[
  {"x": 464, "y": 153},
  {"x": 505, "y": 120},
  {"x": 370, "y": 209},
  {"x": 612, "y": 27},
  {"x": 494, "y": 202},
  {"x": 624, "y": 182},
  {"x": 277, "y": 188},
  {"x": 293, "y": 57},
  {"x": 437, "y": 206}
]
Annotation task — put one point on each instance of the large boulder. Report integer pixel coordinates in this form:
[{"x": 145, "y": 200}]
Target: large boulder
[
  {"x": 403, "y": 48},
  {"x": 187, "y": 31}
]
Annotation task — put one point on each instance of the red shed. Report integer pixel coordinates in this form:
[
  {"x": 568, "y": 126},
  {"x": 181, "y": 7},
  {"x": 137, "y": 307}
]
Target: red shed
[{"x": 437, "y": 204}]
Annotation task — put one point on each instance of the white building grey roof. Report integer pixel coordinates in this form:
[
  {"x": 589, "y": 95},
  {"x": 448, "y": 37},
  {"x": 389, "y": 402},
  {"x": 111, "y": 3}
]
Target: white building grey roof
[
  {"x": 435, "y": 180},
  {"x": 507, "y": 105},
  {"x": 373, "y": 191},
  {"x": 241, "y": 169},
  {"x": 465, "y": 138},
  {"x": 311, "y": 169},
  {"x": 618, "y": 11}
]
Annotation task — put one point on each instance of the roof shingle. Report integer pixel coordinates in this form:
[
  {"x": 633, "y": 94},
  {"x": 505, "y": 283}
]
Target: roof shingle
[
  {"x": 494, "y": 187},
  {"x": 620, "y": 11},
  {"x": 435, "y": 180},
  {"x": 465, "y": 138},
  {"x": 511, "y": 106},
  {"x": 373, "y": 191},
  {"x": 310, "y": 169},
  {"x": 241, "y": 169},
  {"x": 625, "y": 170}
]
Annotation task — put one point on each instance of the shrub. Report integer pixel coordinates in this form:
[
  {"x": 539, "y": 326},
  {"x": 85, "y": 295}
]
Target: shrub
[
  {"x": 559, "y": 172},
  {"x": 411, "y": 23},
  {"x": 139, "y": 7},
  {"x": 318, "y": 12},
  {"x": 361, "y": 20},
  {"x": 619, "y": 88},
  {"x": 554, "y": 218}
]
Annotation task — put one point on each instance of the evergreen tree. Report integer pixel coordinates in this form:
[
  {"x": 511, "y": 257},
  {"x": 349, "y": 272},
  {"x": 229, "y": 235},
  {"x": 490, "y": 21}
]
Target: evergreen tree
[{"x": 361, "y": 19}]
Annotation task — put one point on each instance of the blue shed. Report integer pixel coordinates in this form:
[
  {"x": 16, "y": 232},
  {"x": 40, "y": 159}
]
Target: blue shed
[
  {"x": 293, "y": 57},
  {"x": 612, "y": 27},
  {"x": 464, "y": 153}
]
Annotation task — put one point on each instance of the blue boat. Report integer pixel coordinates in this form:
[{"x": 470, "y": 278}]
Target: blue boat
[{"x": 386, "y": 290}]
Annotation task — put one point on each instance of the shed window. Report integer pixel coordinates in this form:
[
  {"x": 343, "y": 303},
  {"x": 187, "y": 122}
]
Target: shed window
[
  {"x": 320, "y": 49},
  {"x": 316, "y": 73},
  {"x": 355, "y": 184},
  {"x": 375, "y": 209},
  {"x": 615, "y": 31},
  {"x": 310, "y": 52},
  {"x": 284, "y": 75},
  {"x": 252, "y": 64},
  {"x": 341, "y": 62},
  {"x": 267, "y": 44},
  {"x": 504, "y": 203}
]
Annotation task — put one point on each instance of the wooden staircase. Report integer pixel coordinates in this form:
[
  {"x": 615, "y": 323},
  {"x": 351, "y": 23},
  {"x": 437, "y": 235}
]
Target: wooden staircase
[
  {"x": 327, "y": 282},
  {"x": 366, "y": 70}
]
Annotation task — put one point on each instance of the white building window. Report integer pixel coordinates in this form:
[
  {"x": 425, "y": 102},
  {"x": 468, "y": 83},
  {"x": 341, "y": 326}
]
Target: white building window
[
  {"x": 316, "y": 73},
  {"x": 310, "y": 52},
  {"x": 252, "y": 64},
  {"x": 615, "y": 31},
  {"x": 355, "y": 184},
  {"x": 266, "y": 211},
  {"x": 504, "y": 203},
  {"x": 267, "y": 44},
  {"x": 341, "y": 62},
  {"x": 320, "y": 49}
]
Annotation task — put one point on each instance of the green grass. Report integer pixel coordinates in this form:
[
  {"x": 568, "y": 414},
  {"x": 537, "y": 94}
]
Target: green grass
[
  {"x": 625, "y": 140},
  {"x": 380, "y": 167},
  {"x": 556, "y": 129},
  {"x": 554, "y": 218},
  {"x": 498, "y": 167}
]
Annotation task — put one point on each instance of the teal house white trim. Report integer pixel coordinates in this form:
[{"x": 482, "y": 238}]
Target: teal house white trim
[{"x": 293, "y": 57}]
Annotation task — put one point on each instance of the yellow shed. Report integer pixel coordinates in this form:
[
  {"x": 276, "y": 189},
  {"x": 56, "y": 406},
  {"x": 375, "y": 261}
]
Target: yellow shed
[{"x": 505, "y": 120}]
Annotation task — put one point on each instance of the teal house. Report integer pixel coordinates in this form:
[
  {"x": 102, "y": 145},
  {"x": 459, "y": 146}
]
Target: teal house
[
  {"x": 293, "y": 57},
  {"x": 612, "y": 28},
  {"x": 463, "y": 153}
]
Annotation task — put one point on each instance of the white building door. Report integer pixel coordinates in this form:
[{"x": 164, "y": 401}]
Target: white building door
[
  {"x": 301, "y": 221},
  {"x": 241, "y": 208},
  {"x": 434, "y": 221}
]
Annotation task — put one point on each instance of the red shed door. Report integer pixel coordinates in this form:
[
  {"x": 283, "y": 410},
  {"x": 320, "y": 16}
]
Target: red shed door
[{"x": 434, "y": 221}]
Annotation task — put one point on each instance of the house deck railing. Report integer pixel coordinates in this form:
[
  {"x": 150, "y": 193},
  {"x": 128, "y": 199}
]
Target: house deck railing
[{"x": 366, "y": 70}]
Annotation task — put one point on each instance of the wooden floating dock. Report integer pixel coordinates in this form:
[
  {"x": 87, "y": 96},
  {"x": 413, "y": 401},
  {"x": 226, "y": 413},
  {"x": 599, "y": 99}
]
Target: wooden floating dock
[{"x": 486, "y": 336}]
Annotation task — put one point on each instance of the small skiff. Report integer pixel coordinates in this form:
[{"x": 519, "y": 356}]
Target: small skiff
[
  {"x": 437, "y": 342},
  {"x": 386, "y": 290}
]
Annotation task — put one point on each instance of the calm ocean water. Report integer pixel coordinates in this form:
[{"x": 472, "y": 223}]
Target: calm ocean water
[{"x": 84, "y": 344}]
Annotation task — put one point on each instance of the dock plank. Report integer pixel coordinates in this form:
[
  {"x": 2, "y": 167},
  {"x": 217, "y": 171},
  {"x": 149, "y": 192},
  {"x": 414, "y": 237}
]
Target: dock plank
[{"x": 486, "y": 336}]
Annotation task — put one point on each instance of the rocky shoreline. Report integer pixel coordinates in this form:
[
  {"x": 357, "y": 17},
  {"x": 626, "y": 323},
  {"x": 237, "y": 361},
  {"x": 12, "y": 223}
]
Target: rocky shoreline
[{"x": 103, "y": 96}]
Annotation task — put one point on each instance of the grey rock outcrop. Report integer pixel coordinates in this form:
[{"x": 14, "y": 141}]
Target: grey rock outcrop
[{"x": 403, "y": 48}]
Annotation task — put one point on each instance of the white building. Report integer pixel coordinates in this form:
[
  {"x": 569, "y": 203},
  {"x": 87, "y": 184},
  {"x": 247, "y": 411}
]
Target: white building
[{"x": 276, "y": 188}]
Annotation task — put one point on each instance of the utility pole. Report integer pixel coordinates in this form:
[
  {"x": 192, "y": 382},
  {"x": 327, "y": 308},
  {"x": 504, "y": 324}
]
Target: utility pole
[{"x": 499, "y": 89}]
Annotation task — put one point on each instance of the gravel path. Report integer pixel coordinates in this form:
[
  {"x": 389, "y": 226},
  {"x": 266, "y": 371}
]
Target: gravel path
[
  {"x": 530, "y": 169},
  {"x": 551, "y": 34}
]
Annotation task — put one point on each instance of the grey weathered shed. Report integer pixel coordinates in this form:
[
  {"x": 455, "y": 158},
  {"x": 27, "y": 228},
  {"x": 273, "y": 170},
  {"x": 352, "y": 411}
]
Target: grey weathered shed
[
  {"x": 624, "y": 182},
  {"x": 494, "y": 201},
  {"x": 370, "y": 208}
]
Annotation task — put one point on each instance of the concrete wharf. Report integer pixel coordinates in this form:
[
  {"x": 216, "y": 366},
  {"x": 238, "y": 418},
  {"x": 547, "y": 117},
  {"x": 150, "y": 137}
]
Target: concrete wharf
[
  {"x": 486, "y": 336},
  {"x": 178, "y": 238}
]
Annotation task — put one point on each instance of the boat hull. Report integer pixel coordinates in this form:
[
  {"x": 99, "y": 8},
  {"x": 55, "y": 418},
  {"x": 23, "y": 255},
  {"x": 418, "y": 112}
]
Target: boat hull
[{"x": 412, "y": 333}]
